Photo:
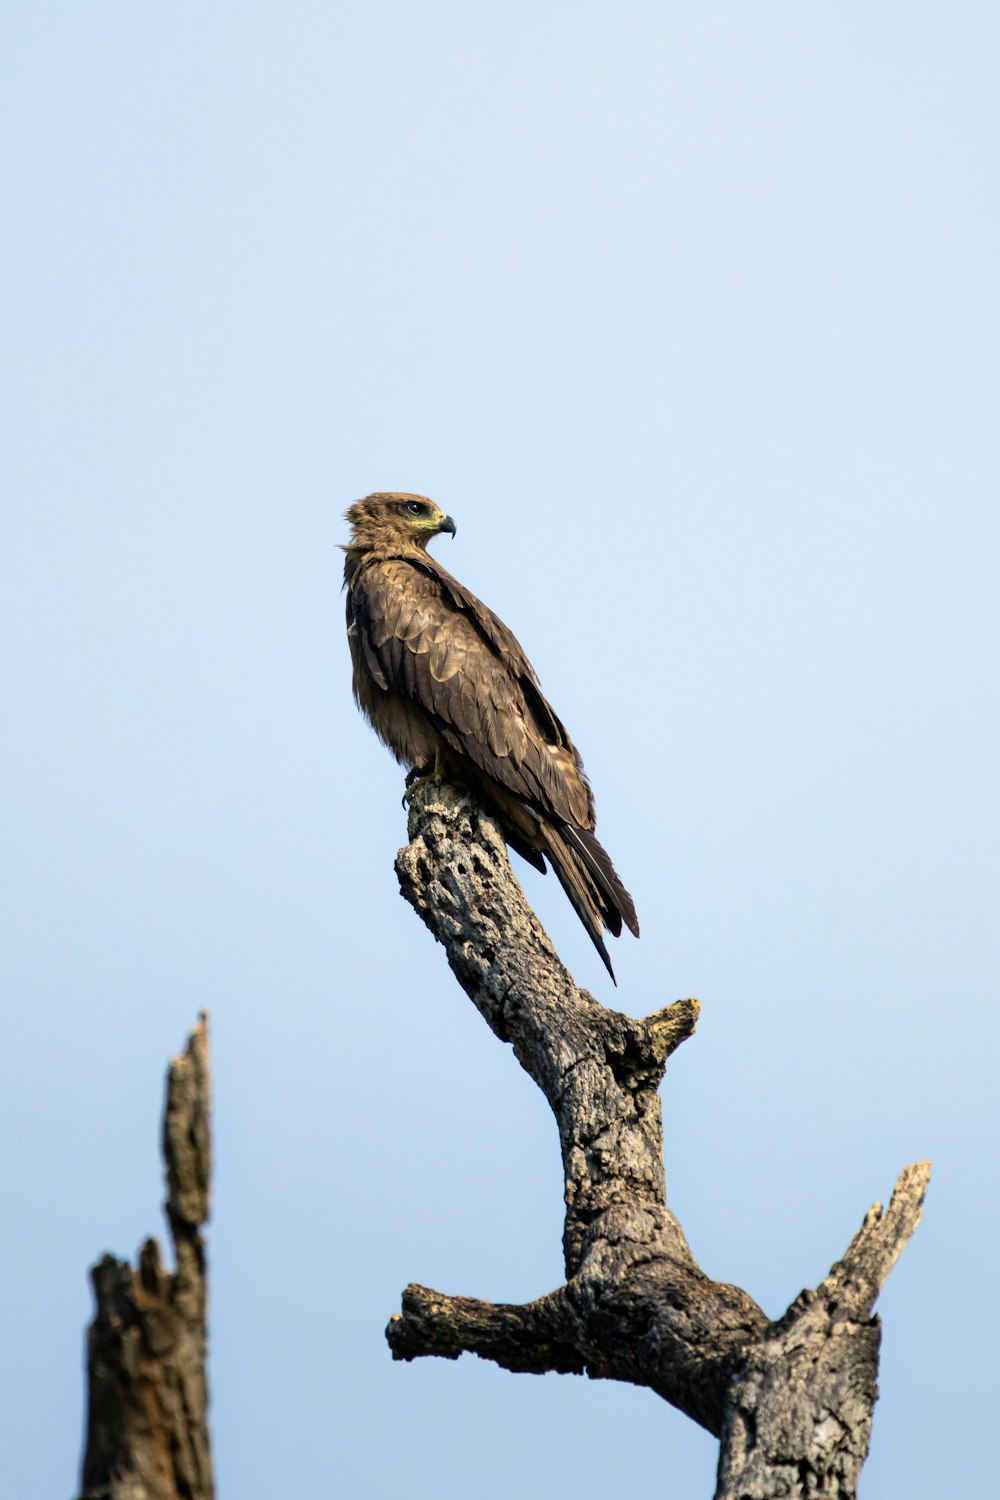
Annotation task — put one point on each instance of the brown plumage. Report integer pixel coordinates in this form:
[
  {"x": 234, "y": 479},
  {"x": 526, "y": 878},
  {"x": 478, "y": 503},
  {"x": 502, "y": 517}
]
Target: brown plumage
[{"x": 446, "y": 686}]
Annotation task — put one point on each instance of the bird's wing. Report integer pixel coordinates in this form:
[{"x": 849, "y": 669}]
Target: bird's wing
[{"x": 425, "y": 636}]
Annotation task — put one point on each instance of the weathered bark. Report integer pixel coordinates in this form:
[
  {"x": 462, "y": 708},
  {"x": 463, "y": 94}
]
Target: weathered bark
[
  {"x": 147, "y": 1420},
  {"x": 791, "y": 1400}
]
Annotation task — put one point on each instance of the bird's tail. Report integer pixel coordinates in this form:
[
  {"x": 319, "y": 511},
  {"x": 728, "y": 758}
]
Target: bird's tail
[{"x": 588, "y": 877}]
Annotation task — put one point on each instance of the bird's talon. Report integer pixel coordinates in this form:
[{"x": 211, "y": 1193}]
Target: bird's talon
[
  {"x": 413, "y": 776},
  {"x": 416, "y": 778}
]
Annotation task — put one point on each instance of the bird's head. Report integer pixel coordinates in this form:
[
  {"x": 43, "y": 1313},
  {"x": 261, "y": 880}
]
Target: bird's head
[{"x": 399, "y": 517}]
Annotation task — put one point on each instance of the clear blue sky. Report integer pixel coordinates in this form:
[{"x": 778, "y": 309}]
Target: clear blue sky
[{"x": 688, "y": 314}]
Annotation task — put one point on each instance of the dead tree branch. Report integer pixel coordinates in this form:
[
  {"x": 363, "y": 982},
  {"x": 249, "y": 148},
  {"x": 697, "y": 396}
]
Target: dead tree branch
[
  {"x": 791, "y": 1401},
  {"x": 147, "y": 1419}
]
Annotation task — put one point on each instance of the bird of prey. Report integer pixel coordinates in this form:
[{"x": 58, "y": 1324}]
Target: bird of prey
[{"x": 449, "y": 690}]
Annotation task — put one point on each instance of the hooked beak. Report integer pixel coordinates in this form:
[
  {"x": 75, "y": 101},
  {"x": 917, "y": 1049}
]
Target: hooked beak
[{"x": 447, "y": 525}]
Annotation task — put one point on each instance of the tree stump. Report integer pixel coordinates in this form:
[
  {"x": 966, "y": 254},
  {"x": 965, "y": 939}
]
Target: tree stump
[{"x": 147, "y": 1414}]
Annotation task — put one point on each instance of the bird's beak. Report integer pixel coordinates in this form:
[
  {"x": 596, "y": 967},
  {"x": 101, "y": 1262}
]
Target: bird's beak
[{"x": 447, "y": 525}]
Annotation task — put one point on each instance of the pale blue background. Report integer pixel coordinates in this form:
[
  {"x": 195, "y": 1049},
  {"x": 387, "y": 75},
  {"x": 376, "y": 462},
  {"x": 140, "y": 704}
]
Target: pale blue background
[{"x": 688, "y": 314}]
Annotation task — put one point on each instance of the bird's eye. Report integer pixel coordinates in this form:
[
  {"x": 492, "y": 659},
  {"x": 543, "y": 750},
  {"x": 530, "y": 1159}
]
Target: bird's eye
[{"x": 415, "y": 508}]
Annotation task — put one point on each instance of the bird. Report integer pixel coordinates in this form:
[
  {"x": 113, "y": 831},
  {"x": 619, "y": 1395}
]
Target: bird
[{"x": 448, "y": 689}]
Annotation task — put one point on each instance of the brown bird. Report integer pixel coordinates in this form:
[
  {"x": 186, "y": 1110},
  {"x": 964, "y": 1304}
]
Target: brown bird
[{"x": 449, "y": 690}]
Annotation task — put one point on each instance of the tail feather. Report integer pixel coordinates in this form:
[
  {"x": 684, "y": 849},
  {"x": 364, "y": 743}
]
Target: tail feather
[
  {"x": 588, "y": 877},
  {"x": 575, "y": 880},
  {"x": 582, "y": 866},
  {"x": 618, "y": 904}
]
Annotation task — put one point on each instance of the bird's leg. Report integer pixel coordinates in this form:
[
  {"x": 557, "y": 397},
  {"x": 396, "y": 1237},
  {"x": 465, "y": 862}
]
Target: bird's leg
[{"x": 419, "y": 776}]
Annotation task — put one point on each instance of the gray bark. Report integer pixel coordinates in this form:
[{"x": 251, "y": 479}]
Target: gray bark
[
  {"x": 147, "y": 1410},
  {"x": 791, "y": 1401}
]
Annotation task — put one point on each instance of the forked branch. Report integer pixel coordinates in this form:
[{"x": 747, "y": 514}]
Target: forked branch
[{"x": 791, "y": 1401}]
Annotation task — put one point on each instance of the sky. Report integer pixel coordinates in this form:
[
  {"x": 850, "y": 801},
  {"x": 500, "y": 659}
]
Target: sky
[{"x": 688, "y": 315}]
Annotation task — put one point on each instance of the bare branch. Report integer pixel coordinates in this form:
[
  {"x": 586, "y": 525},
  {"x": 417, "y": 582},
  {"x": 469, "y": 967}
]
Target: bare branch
[
  {"x": 518, "y": 1338},
  {"x": 857, "y": 1279}
]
